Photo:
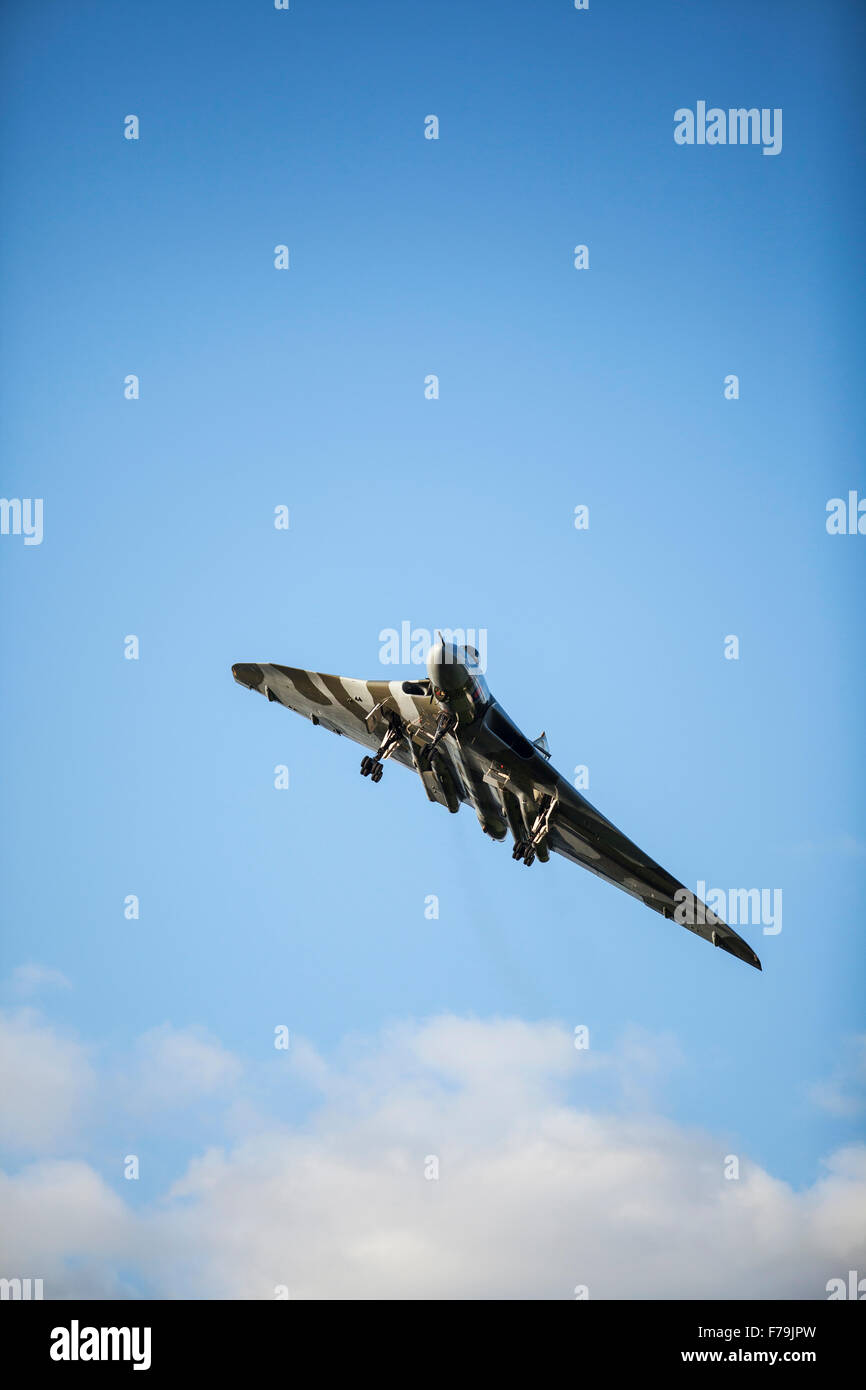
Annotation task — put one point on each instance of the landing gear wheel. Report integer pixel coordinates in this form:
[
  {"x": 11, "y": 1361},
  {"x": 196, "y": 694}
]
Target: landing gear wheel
[
  {"x": 367, "y": 766},
  {"x": 519, "y": 850},
  {"x": 377, "y": 773},
  {"x": 529, "y": 856}
]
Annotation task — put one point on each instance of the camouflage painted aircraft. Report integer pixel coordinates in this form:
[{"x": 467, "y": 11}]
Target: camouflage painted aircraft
[{"x": 465, "y": 749}]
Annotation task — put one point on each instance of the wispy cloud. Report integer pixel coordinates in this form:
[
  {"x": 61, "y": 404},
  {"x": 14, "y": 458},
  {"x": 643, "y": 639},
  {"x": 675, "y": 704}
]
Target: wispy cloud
[
  {"x": 846, "y": 845},
  {"x": 31, "y": 978},
  {"x": 843, "y": 1093},
  {"x": 177, "y": 1066}
]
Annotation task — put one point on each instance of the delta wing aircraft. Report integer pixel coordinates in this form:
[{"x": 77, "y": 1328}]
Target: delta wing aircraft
[{"x": 465, "y": 749}]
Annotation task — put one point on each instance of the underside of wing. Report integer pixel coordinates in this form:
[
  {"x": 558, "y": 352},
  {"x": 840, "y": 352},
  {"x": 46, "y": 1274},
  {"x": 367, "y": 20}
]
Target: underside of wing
[
  {"x": 580, "y": 833},
  {"x": 356, "y": 709}
]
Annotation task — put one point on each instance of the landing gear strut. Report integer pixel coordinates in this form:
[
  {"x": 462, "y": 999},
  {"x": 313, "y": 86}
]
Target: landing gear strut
[
  {"x": 372, "y": 767},
  {"x": 535, "y": 845},
  {"x": 444, "y": 724}
]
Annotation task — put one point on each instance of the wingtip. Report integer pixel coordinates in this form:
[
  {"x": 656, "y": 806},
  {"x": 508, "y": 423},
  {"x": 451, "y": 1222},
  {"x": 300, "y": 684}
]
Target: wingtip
[
  {"x": 248, "y": 674},
  {"x": 736, "y": 946}
]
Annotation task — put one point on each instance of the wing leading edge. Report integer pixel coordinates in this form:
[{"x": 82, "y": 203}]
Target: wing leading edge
[
  {"x": 582, "y": 834},
  {"x": 340, "y": 704}
]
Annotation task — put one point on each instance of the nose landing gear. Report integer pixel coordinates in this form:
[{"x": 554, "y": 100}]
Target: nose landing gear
[{"x": 444, "y": 725}]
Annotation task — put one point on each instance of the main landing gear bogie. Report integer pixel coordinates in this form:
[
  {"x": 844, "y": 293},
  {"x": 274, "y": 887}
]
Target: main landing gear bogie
[
  {"x": 524, "y": 850},
  {"x": 372, "y": 767}
]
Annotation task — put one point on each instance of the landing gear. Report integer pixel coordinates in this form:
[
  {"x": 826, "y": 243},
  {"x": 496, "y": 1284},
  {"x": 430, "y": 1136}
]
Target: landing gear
[
  {"x": 525, "y": 850},
  {"x": 444, "y": 725},
  {"x": 372, "y": 767},
  {"x": 535, "y": 846}
]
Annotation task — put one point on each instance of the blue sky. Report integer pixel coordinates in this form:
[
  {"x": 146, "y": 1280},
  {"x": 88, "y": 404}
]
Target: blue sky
[{"x": 557, "y": 387}]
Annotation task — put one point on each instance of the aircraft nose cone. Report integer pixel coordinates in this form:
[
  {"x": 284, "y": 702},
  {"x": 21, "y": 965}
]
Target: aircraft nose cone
[
  {"x": 445, "y": 666},
  {"x": 248, "y": 674}
]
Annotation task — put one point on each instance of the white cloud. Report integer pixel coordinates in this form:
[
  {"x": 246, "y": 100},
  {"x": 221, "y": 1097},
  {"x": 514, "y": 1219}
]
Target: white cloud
[
  {"x": 537, "y": 1192},
  {"x": 176, "y": 1066},
  {"x": 46, "y": 1081},
  {"x": 64, "y": 1225}
]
